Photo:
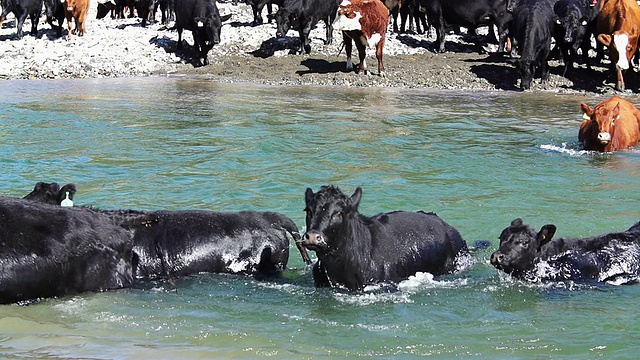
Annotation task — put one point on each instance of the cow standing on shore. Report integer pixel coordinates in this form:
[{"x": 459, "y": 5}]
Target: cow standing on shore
[
  {"x": 202, "y": 17},
  {"x": 364, "y": 22},
  {"x": 76, "y": 10},
  {"x": 304, "y": 15},
  {"x": 21, "y": 9}
]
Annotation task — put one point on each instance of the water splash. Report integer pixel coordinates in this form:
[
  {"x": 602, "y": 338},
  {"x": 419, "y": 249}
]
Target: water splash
[{"x": 567, "y": 149}]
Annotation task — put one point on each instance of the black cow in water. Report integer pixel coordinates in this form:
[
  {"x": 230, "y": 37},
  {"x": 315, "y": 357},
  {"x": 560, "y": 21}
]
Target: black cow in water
[
  {"x": 532, "y": 30},
  {"x": 536, "y": 256},
  {"x": 51, "y": 193},
  {"x": 203, "y": 19},
  {"x": 49, "y": 250},
  {"x": 170, "y": 244},
  {"x": 21, "y": 9},
  {"x": 467, "y": 13},
  {"x": 304, "y": 15},
  {"x": 355, "y": 250}
]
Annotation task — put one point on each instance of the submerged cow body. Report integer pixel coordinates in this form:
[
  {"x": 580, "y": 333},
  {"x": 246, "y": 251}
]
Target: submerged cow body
[
  {"x": 355, "y": 251},
  {"x": 203, "y": 19},
  {"x": 612, "y": 125},
  {"x": 524, "y": 253},
  {"x": 49, "y": 250},
  {"x": 171, "y": 244},
  {"x": 365, "y": 23},
  {"x": 618, "y": 28}
]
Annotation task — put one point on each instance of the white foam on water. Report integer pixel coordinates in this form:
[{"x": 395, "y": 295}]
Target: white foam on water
[{"x": 566, "y": 149}]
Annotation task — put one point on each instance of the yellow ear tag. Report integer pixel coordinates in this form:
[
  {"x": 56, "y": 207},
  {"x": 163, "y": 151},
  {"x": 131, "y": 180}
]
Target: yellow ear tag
[{"x": 67, "y": 202}]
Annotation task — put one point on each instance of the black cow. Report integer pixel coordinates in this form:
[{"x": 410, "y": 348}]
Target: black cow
[
  {"x": 50, "y": 250},
  {"x": 203, "y": 19},
  {"x": 527, "y": 254},
  {"x": 303, "y": 15},
  {"x": 54, "y": 10},
  {"x": 467, "y": 13},
  {"x": 51, "y": 193},
  {"x": 170, "y": 244},
  {"x": 22, "y": 8},
  {"x": 409, "y": 10},
  {"x": 167, "y": 12},
  {"x": 355, "y": 250},
  {"x": 532, "y": 30},
  {"x": 572, "y": 20},
  {"x": 258, "y": 5}
]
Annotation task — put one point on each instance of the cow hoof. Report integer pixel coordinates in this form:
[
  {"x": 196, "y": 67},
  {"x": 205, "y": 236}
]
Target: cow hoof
[{"x": 383, "y": 74}]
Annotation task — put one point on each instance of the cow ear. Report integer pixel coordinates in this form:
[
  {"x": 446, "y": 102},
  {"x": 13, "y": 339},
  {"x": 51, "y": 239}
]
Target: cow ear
[
  {"x": 69, "y": 188},
  {"x": 308, "y": 195},
  {"x": 354, "y": 200},
  {"x": 605, "y": 39},
  {"x": 615, "y": 114},
  {"x": 545, "y": 234},
  {"x": 587, "y": 111}
]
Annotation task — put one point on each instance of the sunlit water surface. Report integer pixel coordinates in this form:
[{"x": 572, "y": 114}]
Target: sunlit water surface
[{"x": 478, "y": 159}]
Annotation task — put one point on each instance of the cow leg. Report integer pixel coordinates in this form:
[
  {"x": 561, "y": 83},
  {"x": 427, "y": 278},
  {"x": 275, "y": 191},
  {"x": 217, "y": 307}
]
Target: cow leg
[
  {"x": 348, "y": 48},
  {"x": 304, "y": 38},
  {"x": 35, "y": 17},
  {"x": 620, "y": 83},
  {"x": 379, "y": 48},
  {"x": 404, "y": 13},
  {"x": 179, "y": 45},
  {"x": 329, "y": 26},
  {"x": 394, "y": 16},
  {"x": 362, "y": 53},
  {"x": 69, "y": 25},
  {"x": 19, "y": 23}
]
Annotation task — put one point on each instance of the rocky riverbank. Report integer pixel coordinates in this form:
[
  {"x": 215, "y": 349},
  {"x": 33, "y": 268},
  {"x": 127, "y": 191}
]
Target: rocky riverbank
[{"x": 122, "y": 47}]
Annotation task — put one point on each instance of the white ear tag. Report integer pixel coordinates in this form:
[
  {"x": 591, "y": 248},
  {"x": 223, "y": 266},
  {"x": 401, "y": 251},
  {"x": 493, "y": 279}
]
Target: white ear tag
[
  {"x": 67, "y": 202},
  {"x": 200, "y": 24}
]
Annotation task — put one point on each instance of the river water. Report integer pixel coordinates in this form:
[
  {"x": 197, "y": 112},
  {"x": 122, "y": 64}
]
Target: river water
[{"x": 478, "y": 159}]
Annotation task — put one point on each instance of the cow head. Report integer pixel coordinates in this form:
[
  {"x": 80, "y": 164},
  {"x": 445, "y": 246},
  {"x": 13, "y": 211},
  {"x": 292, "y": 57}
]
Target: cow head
[
  {"x": 327, "y": 212},
  {"x": 621, "y": 43},
  {"x": 212, "y": 26},
  {"x": 571, "y": 27},
  {"x": 347, "y": 18},
  {"x": 284, "y": 21},
  {"x": 51, "y": 193},
  {"x": 603, "y": 121},
  {"x": 520, "y": 247},
  {"x": 526, "y": 69},
  {"x": 69, "y": 4}
]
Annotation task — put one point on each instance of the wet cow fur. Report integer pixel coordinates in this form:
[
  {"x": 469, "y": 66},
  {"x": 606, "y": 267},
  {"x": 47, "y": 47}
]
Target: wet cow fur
[
  {"x": 612, "y": 258},
  {"x": 49, "y": 250},
  {"x": 355, "y": 250},
  {"x": 51, "y": 193},
  {"x": 363, "y": 22},
  {"x": 612, "y": 125}
]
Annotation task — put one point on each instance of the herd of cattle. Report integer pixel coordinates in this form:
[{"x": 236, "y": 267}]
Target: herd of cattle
[
  {"x": 527, "y": 29},
  {"x": 51, "y": 248}
]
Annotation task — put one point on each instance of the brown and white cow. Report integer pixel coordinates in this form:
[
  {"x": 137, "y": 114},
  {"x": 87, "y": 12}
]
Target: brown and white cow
[
  {"x": 76, "y": 10},
  {"x": 365, "y": 23},
  {"x": 618, "y": 28},
  {"x": 612, "y": 125}
]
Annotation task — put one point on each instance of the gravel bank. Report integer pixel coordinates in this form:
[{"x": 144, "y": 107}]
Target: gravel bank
[{"x": 121, "y": 47}]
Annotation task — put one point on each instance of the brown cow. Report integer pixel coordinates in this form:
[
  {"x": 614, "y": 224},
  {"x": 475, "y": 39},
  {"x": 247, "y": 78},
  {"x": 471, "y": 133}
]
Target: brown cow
[
  {"x": 76, "y": 10},
  {"x": 364, "y": 22},
  {"x": 612, "y": 125},
  {"x": 618, "y": 28}
]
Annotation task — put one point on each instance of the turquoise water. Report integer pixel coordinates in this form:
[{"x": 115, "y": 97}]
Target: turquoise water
[{"x": 478, "y": 159}]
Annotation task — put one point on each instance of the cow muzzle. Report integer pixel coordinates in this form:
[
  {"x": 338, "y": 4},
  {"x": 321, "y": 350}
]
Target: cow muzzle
[
  {"x": 604, "y": 137},
  {"x": 497, "y": 258},
  {"x": 313, "y": 241}
]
